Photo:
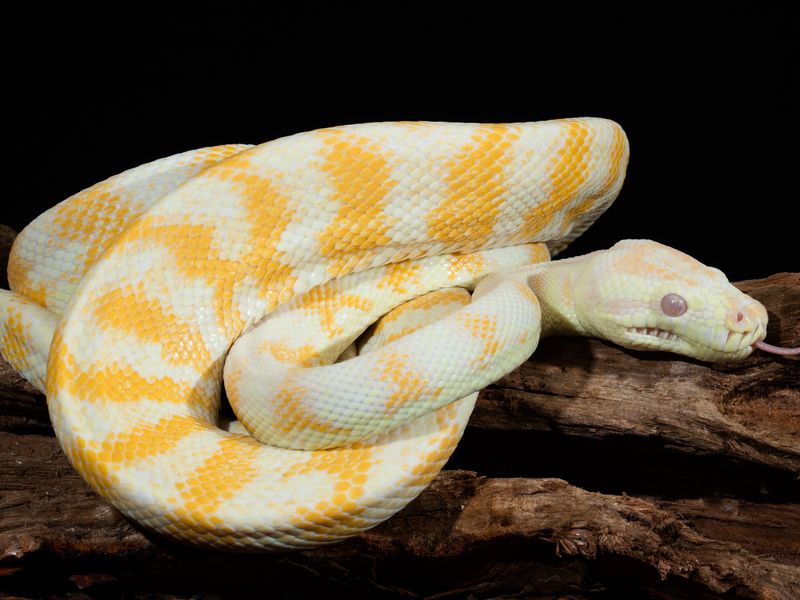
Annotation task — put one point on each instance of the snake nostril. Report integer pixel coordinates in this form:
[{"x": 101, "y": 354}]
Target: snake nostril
[{"x": 741, "y": 320}]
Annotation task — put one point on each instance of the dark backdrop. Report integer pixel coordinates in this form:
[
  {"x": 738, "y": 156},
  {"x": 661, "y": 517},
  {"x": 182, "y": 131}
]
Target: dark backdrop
[{"x": 708, "y": 97}]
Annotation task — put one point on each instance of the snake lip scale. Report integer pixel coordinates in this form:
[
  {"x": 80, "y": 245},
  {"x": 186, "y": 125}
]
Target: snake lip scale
[
  {"x": 734, "y": 343},
  {"x": 655, "y": 331},
  {"x": 256, "y": 268}
]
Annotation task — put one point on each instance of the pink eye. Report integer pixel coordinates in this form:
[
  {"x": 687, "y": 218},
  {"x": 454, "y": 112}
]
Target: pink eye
[{"x": 673, "y": 305}]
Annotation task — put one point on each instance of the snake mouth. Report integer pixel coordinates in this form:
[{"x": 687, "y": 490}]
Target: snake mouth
[
  {"x": 729, "y": 344},
  {"x": 656, "y": 332}
]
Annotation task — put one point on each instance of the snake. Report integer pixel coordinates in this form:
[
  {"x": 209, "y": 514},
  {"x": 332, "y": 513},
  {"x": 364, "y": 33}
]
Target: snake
[{"x": 352, "y": 289}]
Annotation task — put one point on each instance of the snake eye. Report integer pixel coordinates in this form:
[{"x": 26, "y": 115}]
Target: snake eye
[{"x": 673, "y": 305}]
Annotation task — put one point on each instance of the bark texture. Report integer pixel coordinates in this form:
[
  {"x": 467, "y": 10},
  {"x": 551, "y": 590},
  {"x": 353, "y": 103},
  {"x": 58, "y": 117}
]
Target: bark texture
[{"x": 589, "y": 472}]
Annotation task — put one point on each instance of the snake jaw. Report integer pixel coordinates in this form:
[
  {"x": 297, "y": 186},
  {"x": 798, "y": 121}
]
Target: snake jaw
[
  {"x": 655, "y": 331},
  {"x": 721, "y": 345},
  {"x": 656, "y": 339}
]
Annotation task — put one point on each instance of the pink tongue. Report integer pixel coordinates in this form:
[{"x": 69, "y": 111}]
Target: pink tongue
[{"x": 776, "y": 349}]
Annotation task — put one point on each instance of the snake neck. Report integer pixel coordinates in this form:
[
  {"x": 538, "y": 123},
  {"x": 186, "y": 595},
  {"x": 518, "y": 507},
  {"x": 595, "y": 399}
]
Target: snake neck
[{"x": 555, "y": 285}]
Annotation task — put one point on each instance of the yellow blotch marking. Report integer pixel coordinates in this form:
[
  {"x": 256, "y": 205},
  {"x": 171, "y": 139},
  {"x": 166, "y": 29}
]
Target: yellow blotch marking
[
  {"x": 228, "y": 470},
  {"x": 399, "y": 276},
  {"x": 19, "y": 279},
  {"x": 85, "y": 456},
  {"x": 642, "y": 262},
  {"x": 196, "y": 250},
  {"x": 473, "y": 263},
  {"x": 347, "y": 467},
  {"x": 441, "y": 447},
  {"x": 86, "y": 224},
  {"x": 618, "y": 158},
  {"x": 269, "y": 214},
  {"x": 292, "y": 414},
  {"x": 124, "y": 384},
  {"x": 303, "y": 356},
  {"x": 324, "y": 304},
  {"x": 483, "y": 328},
  {"x": 538, "y": 253},
  {"x": 361, "y": 176},
  {"x": 145, "y": 441},
  {"x": 528, "y": 293},
  {"x": 181, "y": 342},
  {"x": 408, "y": 385},
  {"x": 98, "y": 214},
  {"x": 118, "y": 383},
  {"x": 476, "y": 188},
  {"x": 93, "y": 217},
  {"x": 568, "y": 171},
  {"x": 60, "y": 365},
  {"x": 617, "y": 162},
  {"x": 215, "y": 154},
  {"x": 14, "y": 344},
  {"x": 423, "y": 303},
  {"x": 344, "y": 464},
  {"x": 444, "y": 419}
]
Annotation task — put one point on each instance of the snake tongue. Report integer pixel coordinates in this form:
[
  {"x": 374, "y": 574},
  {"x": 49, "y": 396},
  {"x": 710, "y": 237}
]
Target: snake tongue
[{"x": 776, "y": 349}]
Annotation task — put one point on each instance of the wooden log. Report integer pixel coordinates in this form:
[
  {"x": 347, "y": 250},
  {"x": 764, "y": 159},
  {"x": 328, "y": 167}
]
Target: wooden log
[
  {"x": 465, "y": 534},
  {"x": 691, "y": 476}
]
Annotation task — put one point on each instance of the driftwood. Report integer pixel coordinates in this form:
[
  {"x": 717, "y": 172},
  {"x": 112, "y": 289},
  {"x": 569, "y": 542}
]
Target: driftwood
[{"x": 683, "y": 483}]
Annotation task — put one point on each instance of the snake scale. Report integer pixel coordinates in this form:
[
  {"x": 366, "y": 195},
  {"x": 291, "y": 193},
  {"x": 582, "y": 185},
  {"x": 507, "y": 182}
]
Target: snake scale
[{"x": 263, "y": 266}]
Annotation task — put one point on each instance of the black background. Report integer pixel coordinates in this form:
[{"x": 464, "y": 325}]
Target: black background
[{"x": 707, "y": 95}]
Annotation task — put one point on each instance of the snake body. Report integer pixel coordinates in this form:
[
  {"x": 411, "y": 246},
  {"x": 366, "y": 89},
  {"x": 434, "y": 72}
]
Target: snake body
[{"x": 277, "y": 257}]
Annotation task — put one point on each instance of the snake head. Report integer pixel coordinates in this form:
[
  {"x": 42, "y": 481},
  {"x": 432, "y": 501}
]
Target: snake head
[{"x": 646, "y": 296}]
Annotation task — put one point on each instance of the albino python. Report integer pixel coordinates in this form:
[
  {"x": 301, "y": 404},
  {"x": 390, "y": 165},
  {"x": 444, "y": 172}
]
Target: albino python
[{"x": 265, "y": 264}]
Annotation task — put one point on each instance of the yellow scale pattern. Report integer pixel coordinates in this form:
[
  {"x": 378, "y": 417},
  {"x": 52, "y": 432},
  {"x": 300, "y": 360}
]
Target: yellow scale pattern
[{"x": 250, "y": 229}]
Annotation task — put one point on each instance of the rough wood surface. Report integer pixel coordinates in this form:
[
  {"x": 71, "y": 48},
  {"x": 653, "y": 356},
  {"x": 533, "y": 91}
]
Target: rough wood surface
[
  {"x": 683, "y": 484},
  {"x": 466, "y": 533}
]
